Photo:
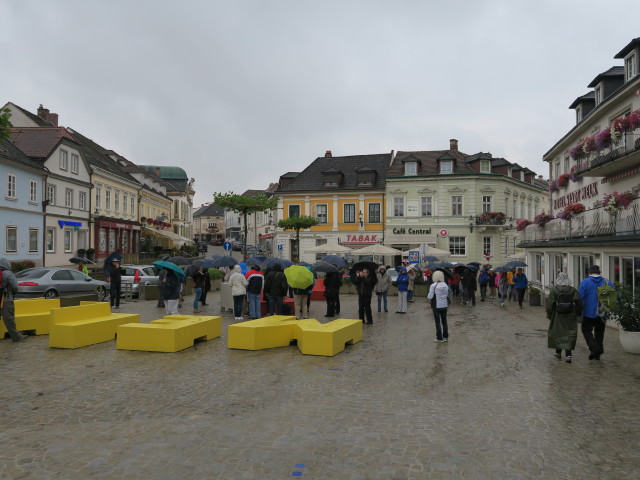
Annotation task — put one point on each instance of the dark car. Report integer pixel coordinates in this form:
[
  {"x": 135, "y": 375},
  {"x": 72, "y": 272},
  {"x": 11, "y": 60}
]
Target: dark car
[
  {"x": 217, "y": 242},
  {"x": 202, "y": 247},
  {"x": 237, "y": 246}
]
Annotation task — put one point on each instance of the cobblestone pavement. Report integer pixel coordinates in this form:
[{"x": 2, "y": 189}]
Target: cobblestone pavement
[{"x": 493, "y": 403}]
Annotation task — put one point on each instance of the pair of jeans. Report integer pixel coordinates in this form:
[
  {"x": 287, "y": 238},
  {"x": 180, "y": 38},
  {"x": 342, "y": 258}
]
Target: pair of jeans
[
  {"x": 409, "y": 295},
  {"x": 364, "y": 308},
  {"x": 197, "y": 293},
  {"x": 382, "y": 298},
  {"x": 511, "y": 293},
  {"x": 593, "y": 331},
  {"x": 273, "y": 302},
  {"x": 115, "y": 290},
  {"x": 254, "y": 305},
  {"x": 483, "y": 291},
  {"x": 440, "y": 317},
  {"x": 238, "y": 302}
]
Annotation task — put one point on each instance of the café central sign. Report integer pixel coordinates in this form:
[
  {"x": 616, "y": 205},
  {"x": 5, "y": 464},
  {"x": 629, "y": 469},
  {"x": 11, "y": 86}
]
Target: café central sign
[
  {"x": 411, "y": 231},
  {"x": 588, "y": 191}
]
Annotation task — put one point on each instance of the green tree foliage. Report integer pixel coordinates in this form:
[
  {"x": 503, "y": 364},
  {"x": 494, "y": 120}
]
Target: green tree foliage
[
  {"x": 245, "y": 205},
  {"x": 5, "y": 123},
  {"x": 297, "y": 224}
]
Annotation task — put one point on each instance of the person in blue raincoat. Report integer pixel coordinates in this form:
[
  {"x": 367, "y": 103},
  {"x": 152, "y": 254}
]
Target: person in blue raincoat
[{"x": 403, "y": 287}]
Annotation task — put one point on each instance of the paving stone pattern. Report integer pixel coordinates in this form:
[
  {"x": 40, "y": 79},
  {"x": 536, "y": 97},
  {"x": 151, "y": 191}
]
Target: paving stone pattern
[{"x": 493, "y": 403}]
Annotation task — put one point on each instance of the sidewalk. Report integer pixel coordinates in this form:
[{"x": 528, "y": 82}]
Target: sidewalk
[{"x": 492, "y": 403}]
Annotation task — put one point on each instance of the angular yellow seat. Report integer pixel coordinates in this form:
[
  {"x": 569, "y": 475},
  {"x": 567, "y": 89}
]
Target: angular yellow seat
[
  {"x": 73, "y": 327},
  {"x": 33, "y": 314},
  {"x": 171, "y": 333},
  {"x": 313, "y": 337}
]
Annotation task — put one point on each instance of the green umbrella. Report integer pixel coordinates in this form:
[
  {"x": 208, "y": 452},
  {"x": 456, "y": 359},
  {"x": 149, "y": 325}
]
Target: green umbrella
[
  {"x": 298, "y": 276},
  {"x": 170, "y": 266}
]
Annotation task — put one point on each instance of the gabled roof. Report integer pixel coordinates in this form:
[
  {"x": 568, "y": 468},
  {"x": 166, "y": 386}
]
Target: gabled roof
[
  {"x": 211, "y": 210},
  {"x": 478, "y": 156},
  {"x": 587, "y": 97},
  {"x": 39, "y": 142},
  {"x": 635, "y": 43},
  {"x": 290, "y": 175},
  {"x": 611, "y": 73},
  {"x": 10, "y": 152},
  {"x": 429, "y": 162},
  {"x": 34, "y": 118},
  {"x": 311, "y": 178}
]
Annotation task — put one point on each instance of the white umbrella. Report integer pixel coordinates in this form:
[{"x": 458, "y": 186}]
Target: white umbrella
[
  {"x": 329, "y": 248},
  {"x": 377, "y": 249}
]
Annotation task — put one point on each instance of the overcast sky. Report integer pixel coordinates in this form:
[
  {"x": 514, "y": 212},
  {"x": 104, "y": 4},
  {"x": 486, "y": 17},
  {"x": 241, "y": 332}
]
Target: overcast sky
[{"x": 239, "y": 92}]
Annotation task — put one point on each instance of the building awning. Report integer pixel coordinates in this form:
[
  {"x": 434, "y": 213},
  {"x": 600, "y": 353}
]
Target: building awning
[{"x": 168, "y": 234}]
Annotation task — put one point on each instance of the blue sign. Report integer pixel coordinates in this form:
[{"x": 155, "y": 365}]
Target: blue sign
[
  {"x": 226, "y": 246},
  {"x": 414, "y": 256},
  {"x": 280, "y": 248}
]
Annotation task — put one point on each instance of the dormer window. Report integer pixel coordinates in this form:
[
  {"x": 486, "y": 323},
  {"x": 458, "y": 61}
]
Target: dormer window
[
  {"x": 365, "y": 176},
  {"x": 485, "y": 166},
  {"x": 578, "y": 113},
  {"x": 509, "y": 172},
  {"x": 331, "y": 178},
  {"x": 446, "y": 166},
  {"x": 598, "y": 92},
  {"x": 411, "y": 168},
  {"x": 630, "y": 66},
  {"x": 522, "y": 175}
]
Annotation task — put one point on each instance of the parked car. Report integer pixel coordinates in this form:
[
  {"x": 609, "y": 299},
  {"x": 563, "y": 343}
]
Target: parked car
[
  {"x": 217, "y": 242},
  {"x": 139, "y": 275},
  {"x": 202, "y": 247},
  {"x": 236, "y": 245},
  {"x": 52, "y": 282}
]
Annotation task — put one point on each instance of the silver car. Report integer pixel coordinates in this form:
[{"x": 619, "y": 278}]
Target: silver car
[
  {"x": 139, "y": 275},
  {"x": 52, "y": 282}
]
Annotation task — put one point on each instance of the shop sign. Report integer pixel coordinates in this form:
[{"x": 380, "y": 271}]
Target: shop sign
[
  {"x": 583, "y": 193},
  {"x": 362, "y": 239},
  {"x": 66, "y": 223},
  {"x": 411, "y": 231}
]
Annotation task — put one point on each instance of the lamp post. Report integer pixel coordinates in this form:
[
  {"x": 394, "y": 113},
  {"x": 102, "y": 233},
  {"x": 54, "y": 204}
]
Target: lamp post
[
  {"x": 471, "y": 223},
  {"x": 361, "y": 218}
]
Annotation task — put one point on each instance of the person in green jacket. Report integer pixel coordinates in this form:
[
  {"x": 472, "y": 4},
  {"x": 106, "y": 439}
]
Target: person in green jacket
[{"x": 563, "y": 307}]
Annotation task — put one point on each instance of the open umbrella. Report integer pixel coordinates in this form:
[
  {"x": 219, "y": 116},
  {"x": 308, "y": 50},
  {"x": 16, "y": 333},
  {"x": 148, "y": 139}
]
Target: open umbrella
[
  {"x": 216, "y": 255},
  {"x": 502, "y": 269},
  {"x": 179, "y": 260},
  {"x": 411, "y": 266},
  {"x": 477, "y": 264},
  {"x": 447, "y": 273},
  {"x": 436, "y": 265},
  {"x": 298, "y": 276},
  {"x": 270, "y": 262},
  {"x": 224, "y": 262},
  {"x": 80, "y": 260},
  {"x": 371, "y": 266},
  {"x": 304, "y": 264},
  {"x": 377, "y": 249},
  {"x": 515, "y": 264},
  {"x": 430, "y": 258},
  {"x": 205, "y": 263},
  {"x": 329, "y": 248},
  {"x": 170, "y": 266},
  {"x": 324, "y": 267},
  {"x": 335, "y": 260}
]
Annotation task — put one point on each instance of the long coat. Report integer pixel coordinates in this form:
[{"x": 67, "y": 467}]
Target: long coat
[{"x": 563, "y": 328}]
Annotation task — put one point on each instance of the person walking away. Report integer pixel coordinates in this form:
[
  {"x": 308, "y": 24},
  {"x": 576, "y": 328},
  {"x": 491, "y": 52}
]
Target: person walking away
[
  {"x": 332, "y": 284},
  {"x": 254, "y": 290},
  {"x": 483, "y": 279},
  {"x": 197, "y": 280},
  {"x": 439, "y": 296},
  {"x": 8, "y": 289},
  {"x": 593, "y": 320},
  {"x": 206, "y": 289},
  {"x": 161, "y": 274},
  {"x": 365, "y": 283},
  {"x": 469, "y": 286},
  {"x": 492, "y": 283},
  {"x": 115, "y": 283},
  {"x": 238, "y": 289},
  {"x": 412, "y": 282},
  {"x": 563, "y": 306},
  {"x": 170, "y": 287},
  {"x": 382, "y": 287},
  {"x": 403, "y": 287},
  {"x": 520, "y": 283},
  {"x": 275, "y": 289},
  {"x": 503, "y": 287},
  {"x": 511, "y": 284}
]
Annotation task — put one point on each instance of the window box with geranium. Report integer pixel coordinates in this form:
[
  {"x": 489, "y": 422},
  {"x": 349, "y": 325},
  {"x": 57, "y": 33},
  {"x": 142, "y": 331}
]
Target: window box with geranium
[
  {"x": 522, "y": 224},
  {"x": 143, "y": 219},
  {"x": 553, "y": 186},
  {"x": 563, "y": 180},
  {"x": 571, "y": 211},
  {"x": 491, "y": 218},
  {"x": 542, "y": 219},
  {"x": 614, "y": 202}
]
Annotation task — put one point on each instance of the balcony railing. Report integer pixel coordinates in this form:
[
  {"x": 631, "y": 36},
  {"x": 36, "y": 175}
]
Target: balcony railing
[
  {"x": 611, "y": 159},
  {"x": 596, "y": 222},
  {"x": 485, "y": 219}
]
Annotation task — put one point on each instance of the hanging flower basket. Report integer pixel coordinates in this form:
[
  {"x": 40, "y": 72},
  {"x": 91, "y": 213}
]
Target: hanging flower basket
[
  {"x": 553, "y": 186},
  {"x": 542, "y": 219},
  {"x": 563, "y": 180},
  {"x": 602, "y": 139},
  {"x": 614, "y": 202},
  {"x": 522, "y": 224},
  {"x": 571, "y": 211},
  {"x": 589, "y": 145},
  {"x": 572, "y": 174},
  {"x": 143, "y": 219}
]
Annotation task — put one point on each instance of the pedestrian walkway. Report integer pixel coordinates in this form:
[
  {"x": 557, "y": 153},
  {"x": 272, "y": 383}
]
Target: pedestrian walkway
[{"x": 493, "y": 403}]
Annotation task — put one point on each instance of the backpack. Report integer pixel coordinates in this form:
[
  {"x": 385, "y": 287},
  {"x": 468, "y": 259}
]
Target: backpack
[
  {"x": 607, "y": 301},
  {"x": 565, "y": 303}
]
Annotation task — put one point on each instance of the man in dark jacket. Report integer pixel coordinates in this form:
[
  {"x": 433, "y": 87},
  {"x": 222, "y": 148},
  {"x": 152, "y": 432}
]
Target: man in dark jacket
[
  {"x": 332, "y": 284},
  {"x": 254, "y": 290},
  {"x": 115, "y": 283},
  {"x": 469, "y": 286},
  {"x": 7, "y": 308},
  {"x": 275, "y": 289},
  {"x": 365, "y": 283},
  {"x": 170, "y": 291},
  {"x": 206, "y": 288}
]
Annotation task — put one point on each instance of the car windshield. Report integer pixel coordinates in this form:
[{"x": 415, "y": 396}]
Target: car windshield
[{"x": 32, "y": 273}]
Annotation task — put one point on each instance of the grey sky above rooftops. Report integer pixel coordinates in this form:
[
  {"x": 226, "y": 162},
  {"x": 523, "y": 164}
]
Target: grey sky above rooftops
[{"x": 239, "y": 92}]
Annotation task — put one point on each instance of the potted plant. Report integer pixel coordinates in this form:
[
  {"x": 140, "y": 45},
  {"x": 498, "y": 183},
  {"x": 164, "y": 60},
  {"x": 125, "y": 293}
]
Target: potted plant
[
  {"x": 627, "y": 316},
  {"x": 522, "y": 224},
  {"x": 216, "y": 278},
  {"x": 535, "y": 296},
  {"x": 542, "y": 219},
  {"x": 571, "y": 211},
  {"x": 614, "y": 202},
  {"x": 563, "y": 180},
  {"x": 90, "y": 252}
]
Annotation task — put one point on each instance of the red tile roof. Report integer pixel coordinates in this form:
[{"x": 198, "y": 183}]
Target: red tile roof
[{"x": 39, "y": 142}]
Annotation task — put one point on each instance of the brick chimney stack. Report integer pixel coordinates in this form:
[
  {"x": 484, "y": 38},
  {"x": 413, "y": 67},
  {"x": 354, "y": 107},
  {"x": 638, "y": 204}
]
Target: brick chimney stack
[
  {"x": 49, "y": 117},
  {"x": 453, "y": 144},
  {"x": 327, "y": 154}
]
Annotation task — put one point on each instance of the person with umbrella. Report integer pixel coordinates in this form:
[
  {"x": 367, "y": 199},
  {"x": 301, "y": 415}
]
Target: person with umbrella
[
  {"x": 412, "y": 281},
  {"x": 520, "y": 284},
  {"x": 206, "y": 288},
  {"x": 197, "y": 279},
  {"x": 301, "y": 280},
  {"x": 332, "y": 284},
  {"x": 484, "y": 280},
  {"x": 382, "y": 287},
  {"x": 563, "y": 307},
  {"x": 492, "y": 283},
  {"x": 364, "y": 282},
  {"x": 238, "y": 284},
  {"x": 82, "y": 267},
  {"x": 403, "y": 287},
  {"x": 170, "y": 287},
  {"x": 439, "y": 296},
  {"x": 275, "y": 289},
  {"x": 115, "y": 283},
  {"x": 469, "y": 286}
]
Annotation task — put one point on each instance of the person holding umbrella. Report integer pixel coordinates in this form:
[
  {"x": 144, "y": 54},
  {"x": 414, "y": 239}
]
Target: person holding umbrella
[
  {"x": 332, "y": 284},
  {"x": 275, "y": 289},
  {"x": 563, "y": 306},
  {"x": 301, "y": 280},
  {"x": 364, "y": 283},
  {"x": 170, "y": 287},
  {"x": 382, "y": 287},
  {"x": 115, "y": 282},
  {"x": 197, "y": 278},
  {"x": 520, "y": 283}
]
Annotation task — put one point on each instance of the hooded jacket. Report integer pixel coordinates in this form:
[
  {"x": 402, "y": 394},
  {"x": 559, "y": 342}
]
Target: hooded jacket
[
  {"x": 9, "y": 281},
  {"x": 256, "y": 281},
  {"x": 384, "y": 281},
  {"x": 589, "y": 294},
  {"x": 238, "y": 282},
  {"x": 403, "y": 281},
  {"x": 275, "y": 283}
]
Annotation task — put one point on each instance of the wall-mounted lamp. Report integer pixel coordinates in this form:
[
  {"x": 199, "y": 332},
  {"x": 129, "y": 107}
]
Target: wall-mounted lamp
[
  {"x": 69, "y": 212},
  {"x": 361, "y": 218},
  {"x": 471, "y": 223},
  {"x": 270, "y": 218}
]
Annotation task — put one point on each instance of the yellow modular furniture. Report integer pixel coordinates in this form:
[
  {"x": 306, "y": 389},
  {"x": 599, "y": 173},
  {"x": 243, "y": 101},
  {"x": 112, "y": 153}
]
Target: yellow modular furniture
[
  {"x": 313, "y": 337},
  {"x": 33, "y": 314},
  {"x": 169, "y": 334},
  {"x": 74, "y": 327}
]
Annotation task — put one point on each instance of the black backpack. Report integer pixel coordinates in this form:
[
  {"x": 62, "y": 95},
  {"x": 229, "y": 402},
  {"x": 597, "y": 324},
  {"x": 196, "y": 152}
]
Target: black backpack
[{"x": 565, "y": 303}]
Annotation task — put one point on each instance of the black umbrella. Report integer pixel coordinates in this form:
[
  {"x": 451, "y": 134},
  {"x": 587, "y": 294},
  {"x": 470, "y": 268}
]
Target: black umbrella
[
  {"x": 270, "y": 262},
  {"x": 80, "y": 260},
  {"x": 477, "y": 264},
  {"x": 323, "y": 267},
  {"x": 179, "y": 260},
  {"x": 304, "y": 264},
  {"x": 371, "y": 266},
  {"x": 430, "y": 258},
  {"x": 433, "y": 266},
  {"x": 447, "y": 273},
  {"x": 216, "y": 255},
  {"x": 224, "y": 262},
  {"x": 336, "y": 260},
  {"x": 113, "y": 257},
  {"x": 502, "y": 269},
  {"x": 473, "y": 267},
  {"x": 515, "y": 264}
]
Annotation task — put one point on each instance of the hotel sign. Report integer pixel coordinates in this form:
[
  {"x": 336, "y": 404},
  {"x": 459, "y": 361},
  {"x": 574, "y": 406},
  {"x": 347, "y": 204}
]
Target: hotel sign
[{"x": 588, "y": 191}]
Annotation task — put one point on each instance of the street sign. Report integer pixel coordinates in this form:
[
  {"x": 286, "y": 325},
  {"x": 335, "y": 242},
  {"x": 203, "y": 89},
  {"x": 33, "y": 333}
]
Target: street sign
[
  {"x": 226, "y": 246},
  {"x": 280, "y": 247},
  {"x": 443, "y": 232},
  {"x": 414, "y": 256}
]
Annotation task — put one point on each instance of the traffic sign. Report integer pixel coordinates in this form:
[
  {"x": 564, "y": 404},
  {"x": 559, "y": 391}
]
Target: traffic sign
[
  {"x": 227, "y": 246},
  {"x": 443, "y": 232},
  {"x": 280, "y": 247}
]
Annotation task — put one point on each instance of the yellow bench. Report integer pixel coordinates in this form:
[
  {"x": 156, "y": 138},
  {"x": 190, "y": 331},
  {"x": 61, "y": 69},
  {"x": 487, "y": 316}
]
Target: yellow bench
[
  {"x": 33, "y": 314},
  {"x": 313, "y": 338},
  {"x": 73, "y": 327},
  {"x": 168, "y": 334}
]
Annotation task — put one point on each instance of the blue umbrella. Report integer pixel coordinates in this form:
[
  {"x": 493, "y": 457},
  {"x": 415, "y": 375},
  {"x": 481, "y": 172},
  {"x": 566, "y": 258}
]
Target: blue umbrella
[
  {"x": 224, "y": 262},
  {"x": 270, "y": 262},
  {"x": 113, "y": 256},
  {"x": 170, "y": 266},
  {"x": 336, "y": 260},
  {"x": 430, "y": 258},
  {"x": 179, "y": 260},
  {"x": 205, "y": 263},
  {"x": 216, "y": 255},
  {"x": 435, "y": 266},
  {"x": 502, "y": 269},
  {"x": 304, "y": 264},
  {"x": 515, "y": 264}
]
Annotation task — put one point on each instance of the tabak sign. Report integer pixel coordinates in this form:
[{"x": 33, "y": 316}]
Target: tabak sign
[
  {"x": 588, "y": 191},
  {"x": 361, "y": 239}
]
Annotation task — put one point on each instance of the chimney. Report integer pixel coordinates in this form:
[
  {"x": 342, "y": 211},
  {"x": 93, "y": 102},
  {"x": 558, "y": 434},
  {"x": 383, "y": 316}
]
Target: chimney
[
  {"x": 453, "y": 144},
  {"x": 49, "y": 117},
  {"x": 53, "y": 119},
  {"x": 327, "y": 154}
]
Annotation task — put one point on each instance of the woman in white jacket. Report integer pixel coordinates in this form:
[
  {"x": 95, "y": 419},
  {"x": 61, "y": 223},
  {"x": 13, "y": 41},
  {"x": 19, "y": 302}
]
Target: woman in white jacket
[
  {"x": 238, "y": 289},
  {"x": 439, "y": 296}
]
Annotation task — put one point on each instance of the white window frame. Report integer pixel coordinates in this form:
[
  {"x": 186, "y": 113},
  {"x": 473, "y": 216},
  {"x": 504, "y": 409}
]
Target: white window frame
[
  {"x": 11, "y": 186},
  {"x": 98, "y": 197},
  {"x": 51, "y": 194},
  {"x": 51, "y": 235},
  {"x": 458, "y": 246},
  {"x": 107, "y": 199},
  {"x": 486, "y": 203},
  {"x": 455, "y": 203},
  {"x": 486, "y": 245},
  {"x": 33, "y": 191},
  {"x": 398, "y": 206},
  {"x": 449, "y": 169},
  {"x": 630, "y": 66},
  {"x": 75, "y": 163},
  {"x": 485, "y": 166},
  {"x": 64, "y": 160},
  {"x": 14, "y": 229},
  {"x": 116, "y": 201},
  {"x": 34, "y": 234},
  {"x": 133, "y": 205},
  {"x": 598, "y": 94},
  {"x": 349, "y": 216},
  {"x": 67, "y": 236},
  {"x": 578, "y": 113},
  {"x": 377, "y": 212},
  {"x": 411, "y": 168},
  {"x": 82, "y": 201},
  {"x": 426, "y": 206},
  {"x": 322, "y": 213},
  {"x": 125, "y": 202},
  {"x": 68, "y": 198}
]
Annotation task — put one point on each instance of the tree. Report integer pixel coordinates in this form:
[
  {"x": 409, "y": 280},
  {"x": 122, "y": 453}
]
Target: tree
[
  {"x": 297, "y": 224},
  {"x": 245, "y": 205},
  {"x": 5, "y": 123}
]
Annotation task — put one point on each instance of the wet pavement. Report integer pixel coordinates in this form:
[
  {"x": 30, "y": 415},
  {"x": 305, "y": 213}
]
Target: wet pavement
[{"x": 493, "y": 403}]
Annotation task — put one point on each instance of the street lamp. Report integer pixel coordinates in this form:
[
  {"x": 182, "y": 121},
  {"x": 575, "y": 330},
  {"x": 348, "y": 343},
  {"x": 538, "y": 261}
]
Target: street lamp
[
  {"x": 361, "y": 218},
  {"x": 471, "y": 223}
]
